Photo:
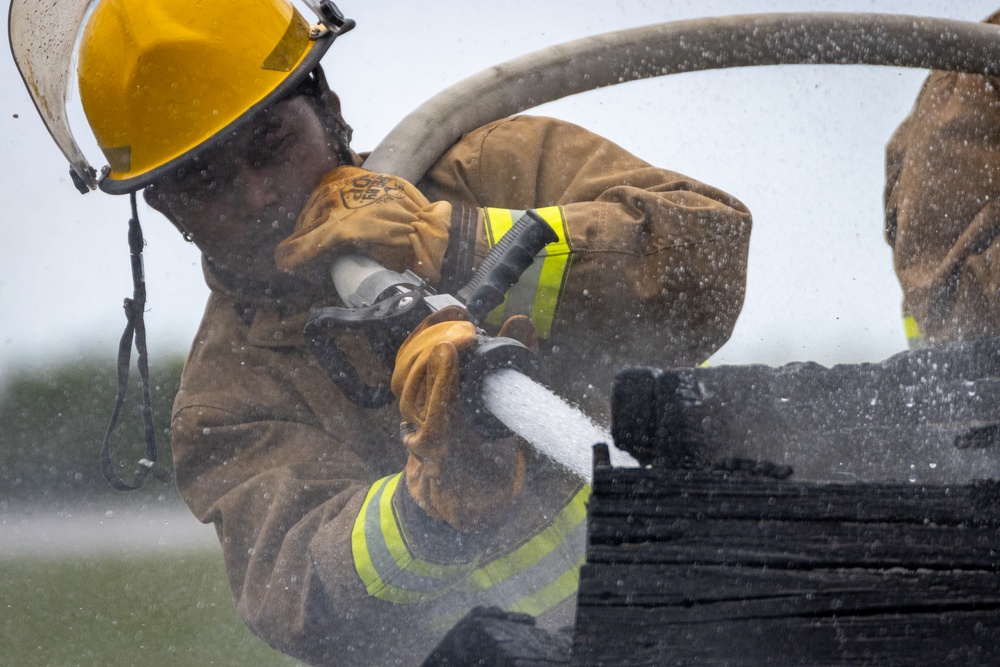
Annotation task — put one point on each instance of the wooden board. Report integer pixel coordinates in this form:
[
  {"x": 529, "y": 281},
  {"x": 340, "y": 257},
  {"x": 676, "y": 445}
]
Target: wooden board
[{"x": 711, "y": 568}]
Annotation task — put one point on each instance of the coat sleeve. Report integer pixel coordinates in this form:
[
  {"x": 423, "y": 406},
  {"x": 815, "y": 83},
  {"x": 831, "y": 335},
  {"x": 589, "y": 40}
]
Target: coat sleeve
[
  {"x": 326, "y": 559},
  {"x": 265, "y": 449},
  {"x": 657, "y": 267},
  {"x": 942, "y": 206}
]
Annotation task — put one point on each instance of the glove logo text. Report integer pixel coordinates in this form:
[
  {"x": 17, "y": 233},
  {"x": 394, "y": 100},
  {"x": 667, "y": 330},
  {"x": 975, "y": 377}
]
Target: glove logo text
[{"x": 371, "y": 189}]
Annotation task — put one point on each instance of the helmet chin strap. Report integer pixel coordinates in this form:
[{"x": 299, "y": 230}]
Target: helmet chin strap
[{"x": 135, "y": 330}]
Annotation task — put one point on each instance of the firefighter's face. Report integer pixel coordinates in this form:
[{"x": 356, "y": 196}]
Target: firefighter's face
[{"x": 240, "y": 199}]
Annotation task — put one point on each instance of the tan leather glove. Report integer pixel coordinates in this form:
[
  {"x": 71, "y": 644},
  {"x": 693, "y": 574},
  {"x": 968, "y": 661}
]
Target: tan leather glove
[
  {"x": 454, "y": 474},
  {"x": 377, "y": 215}
]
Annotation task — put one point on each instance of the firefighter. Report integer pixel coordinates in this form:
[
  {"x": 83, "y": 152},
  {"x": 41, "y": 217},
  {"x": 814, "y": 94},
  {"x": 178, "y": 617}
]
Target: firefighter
[
  {"x": 342, "y": 544},
  {"x": 941, "y": 207}
]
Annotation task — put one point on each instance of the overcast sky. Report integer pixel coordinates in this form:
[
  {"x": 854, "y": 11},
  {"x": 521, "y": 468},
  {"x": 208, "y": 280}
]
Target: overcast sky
[{"x": 802, "y": 147}]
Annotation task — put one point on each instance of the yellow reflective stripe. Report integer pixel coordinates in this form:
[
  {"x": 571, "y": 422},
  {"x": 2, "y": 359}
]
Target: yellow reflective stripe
[
  {"x": 359, "y": 544},
  {"x": 390, "y": 572},
  {"x": 395, "y": 576},
  {"x": 537, "y": 603},
  {"x": 363, "y": 563},
  {"x": 911, "y": 327},
  {"x": 538, "y": 292},
  {"x": 534, "y": 549},
  {"x": 498, "y": 222},
  {"x": 555, "y": 270},
  {"x": 914, "y": 337},
  {"x": 396, "y": 542},
  {"x": 538, "y": 587},
  {"x": 556, "y": 217},
  {"x": 548, "y": 597},
  {"x": 550, "y": 288}
]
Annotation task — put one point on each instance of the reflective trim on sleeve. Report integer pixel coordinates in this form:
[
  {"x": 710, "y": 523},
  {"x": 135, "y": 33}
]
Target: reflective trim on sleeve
[
  {"x": 914, "y": 339},
  {"x": 538, "y": 292},
  {"x": 535, "y": 576},
  {"x": 382, "y": 559}
]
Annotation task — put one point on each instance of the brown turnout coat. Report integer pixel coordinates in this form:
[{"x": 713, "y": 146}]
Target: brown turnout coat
[{"x": 269, "y": 450}]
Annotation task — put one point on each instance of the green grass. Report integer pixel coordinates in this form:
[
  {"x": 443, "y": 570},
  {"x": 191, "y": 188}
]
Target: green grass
[{"x": 150, "y": 610}]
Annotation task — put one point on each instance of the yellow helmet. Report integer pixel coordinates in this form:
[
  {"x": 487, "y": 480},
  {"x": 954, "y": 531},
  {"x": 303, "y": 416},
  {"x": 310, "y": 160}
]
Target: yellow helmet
[{"x": 163, "y": 79}]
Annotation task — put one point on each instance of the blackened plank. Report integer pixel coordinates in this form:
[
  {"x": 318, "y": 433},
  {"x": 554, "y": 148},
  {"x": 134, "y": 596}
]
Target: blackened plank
[
  {"x": 706, "y": 593},
  {"x": 606, "y": 637},
  {"x": 709, "y": 568},
  {"x": 793, "y": 544},
  {"x": 708, "y": 495}
]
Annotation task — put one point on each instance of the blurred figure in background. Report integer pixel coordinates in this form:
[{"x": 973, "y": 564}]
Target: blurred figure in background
[{"x": 942, "y": 207}]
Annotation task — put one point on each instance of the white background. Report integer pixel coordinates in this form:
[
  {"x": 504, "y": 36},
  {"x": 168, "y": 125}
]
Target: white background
[{"x": 802, "y": 146}]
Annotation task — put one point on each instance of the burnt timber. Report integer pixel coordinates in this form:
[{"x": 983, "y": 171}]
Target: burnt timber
[
  {"x": 930, "y": 416},
  {"x": 716, "y": 568},
  {"x": 792, "y": 516}
]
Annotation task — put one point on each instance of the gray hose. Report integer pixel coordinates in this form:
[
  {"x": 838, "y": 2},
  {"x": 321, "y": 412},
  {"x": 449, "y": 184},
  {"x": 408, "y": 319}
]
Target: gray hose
[{"x": 425, "y": 134}]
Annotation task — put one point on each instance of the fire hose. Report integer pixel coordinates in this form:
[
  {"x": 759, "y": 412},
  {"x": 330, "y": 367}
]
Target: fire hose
[{"x": 660, "y": 49}]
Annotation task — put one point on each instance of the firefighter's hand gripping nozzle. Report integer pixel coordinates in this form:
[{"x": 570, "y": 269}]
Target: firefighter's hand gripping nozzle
[{"x": 387, "y": 305}]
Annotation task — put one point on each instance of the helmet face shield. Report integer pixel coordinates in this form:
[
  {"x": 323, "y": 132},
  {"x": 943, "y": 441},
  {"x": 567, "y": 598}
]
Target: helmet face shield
[
  {"x": 42, "y": 40},
  {"x": 161, "y": 79}
]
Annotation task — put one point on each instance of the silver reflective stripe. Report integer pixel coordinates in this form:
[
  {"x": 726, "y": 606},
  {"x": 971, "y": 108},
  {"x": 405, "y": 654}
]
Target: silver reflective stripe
[
  {"x": 509, "y": 593},
  {"x": 537, "y": 575},
  {"x": 384, "y": 561}
]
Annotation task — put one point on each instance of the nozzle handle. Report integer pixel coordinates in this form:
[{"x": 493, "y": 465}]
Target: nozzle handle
[{"x": 503, "y": 266}]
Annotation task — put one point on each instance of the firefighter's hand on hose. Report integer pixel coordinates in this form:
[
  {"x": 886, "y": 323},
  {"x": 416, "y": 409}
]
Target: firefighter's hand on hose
[
  {"x": 377, "y": 215},
  {"x": 455, "y": 475}
]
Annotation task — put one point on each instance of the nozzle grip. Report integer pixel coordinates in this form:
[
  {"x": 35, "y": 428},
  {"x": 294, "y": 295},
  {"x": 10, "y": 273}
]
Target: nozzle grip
[{"x": 505, "y": 263}]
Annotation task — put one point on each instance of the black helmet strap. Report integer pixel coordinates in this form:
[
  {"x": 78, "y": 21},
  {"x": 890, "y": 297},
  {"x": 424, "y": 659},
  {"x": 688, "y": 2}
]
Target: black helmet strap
[{"x": 135, "y": 331}]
